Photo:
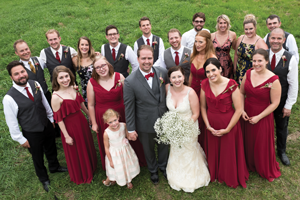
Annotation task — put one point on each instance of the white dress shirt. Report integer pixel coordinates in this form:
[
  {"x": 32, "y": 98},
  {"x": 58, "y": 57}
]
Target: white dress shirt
[
  {"x": 150, "y": 79},
  {"x": 60, "y": 53},
  {"x": 188, "y": 38},
  {"x": 292, "y": 78},
  {"x": 291, "y": 44},
  {"x": 11, "y": 108},
  {"x": 161, "y": 45},
  {"x": 161, "y": 61},
  {"x": 129, "y": 55},
  {"x": 42, "y": 63}
]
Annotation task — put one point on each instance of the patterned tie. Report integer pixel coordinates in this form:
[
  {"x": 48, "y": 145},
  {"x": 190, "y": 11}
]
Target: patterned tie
[
  {"x": 149, "y": 75},
  {"x": 148, "y": 42},
  {"x": 57, "y": 57},
  {"x": 31, "y": 67},
  {"x": 273, "y": 62},
  {"x": 176, "y": 58},
  {"x": 114, "y": 54},
  {"x": 29, "y": 94}
]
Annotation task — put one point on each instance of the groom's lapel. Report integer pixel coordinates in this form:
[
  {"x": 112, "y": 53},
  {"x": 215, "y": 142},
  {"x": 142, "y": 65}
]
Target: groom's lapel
[
  {"x": 156, "y": 78},
  {"x": 144, "y": 83}
]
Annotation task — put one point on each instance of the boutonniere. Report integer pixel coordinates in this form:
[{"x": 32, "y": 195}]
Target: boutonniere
[
  {"x": 121, "y": 56},
  {"x": 66, "y": 51},
  {"x": 118, "y": 84},
  {"x": 186, "y": 55},
  {"x": 268, "y": 85},
  {"x": 37, "y": 87},
  {"x": 284, "y": 60},
  {"x": 161, "y": 80},
  {"x": 230, "y": 88},
  {"x": 36, "y": 64},
  {"x": 154, "y": 43}
]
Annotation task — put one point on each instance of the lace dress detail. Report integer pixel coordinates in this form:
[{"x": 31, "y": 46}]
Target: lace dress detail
[{"x": 187, "y": 166}]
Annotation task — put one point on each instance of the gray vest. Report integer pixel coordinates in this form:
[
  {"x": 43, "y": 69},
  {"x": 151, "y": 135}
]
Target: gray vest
[
  {"x": 284, "y": 44},
  {"x": 120, "y": 64},
  {"x": 184, "y": 62},
  {"x": 282, "y": 71},
  {"x": 32, "y": 116},
  {"x": 39, "y": 75},
  {"x": 66, "y": 60},
  {"x": 140, "y": 42}
]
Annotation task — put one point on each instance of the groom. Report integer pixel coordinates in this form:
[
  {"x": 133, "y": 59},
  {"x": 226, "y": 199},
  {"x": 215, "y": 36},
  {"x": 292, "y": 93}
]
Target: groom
[{"x": 145, "y": 101}]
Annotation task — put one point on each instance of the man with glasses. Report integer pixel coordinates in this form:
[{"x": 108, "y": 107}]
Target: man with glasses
[
  {"x": 117, "y": 54},
  {"x": 188, "y": 38}
]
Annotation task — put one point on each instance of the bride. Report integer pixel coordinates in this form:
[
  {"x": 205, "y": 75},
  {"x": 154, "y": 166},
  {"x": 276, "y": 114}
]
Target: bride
[{"x": 187, "y": 166}]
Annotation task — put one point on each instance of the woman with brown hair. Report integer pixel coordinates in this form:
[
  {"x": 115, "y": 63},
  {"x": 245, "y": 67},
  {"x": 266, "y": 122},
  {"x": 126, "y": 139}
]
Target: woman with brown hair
[
  {"x": 202, "y": 50},
  {"x": 245, "y": 46},
  {"x": 104, "y": 91},
  {"x": 76, "y": 135},
  {"x": 83, "y": 62},
  {"x": 223, "y": 39}
]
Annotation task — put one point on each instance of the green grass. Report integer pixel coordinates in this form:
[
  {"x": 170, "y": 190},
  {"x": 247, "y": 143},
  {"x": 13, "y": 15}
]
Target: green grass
[{"x": 30, "y": 20}]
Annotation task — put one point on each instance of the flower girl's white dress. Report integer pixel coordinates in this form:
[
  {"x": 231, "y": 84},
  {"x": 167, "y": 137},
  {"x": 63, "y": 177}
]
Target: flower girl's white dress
[{"x": 187, "y": 166}]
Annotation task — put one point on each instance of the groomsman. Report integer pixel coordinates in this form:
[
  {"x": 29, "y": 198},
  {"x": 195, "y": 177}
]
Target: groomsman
[
  {"x": 290, "y": 44},
  {"x": 176, "y": 55},
  {"x": 118, "y": 55},
  {"x": 283, "y": 64},
  {"x": 149, "y": 39},
  {"x": 57, "y": 54},
  {"x": 25, "y": 105},
  {"x": 188, "y": 38},
  {"x": 34, "y": 66},
  {"x": 145, "y": 101}
]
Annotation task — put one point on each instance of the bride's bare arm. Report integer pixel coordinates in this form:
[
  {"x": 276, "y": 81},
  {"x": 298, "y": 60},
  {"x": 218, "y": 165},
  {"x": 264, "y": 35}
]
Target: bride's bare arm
[{"x": 194, "y": 103}]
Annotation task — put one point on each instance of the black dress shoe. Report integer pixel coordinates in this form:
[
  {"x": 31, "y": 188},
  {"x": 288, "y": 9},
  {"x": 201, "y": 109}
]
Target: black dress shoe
[
  {"x": 164, "y": 173},
  {"x": 284, "y": 159},
  {"x": 60, "y": 169},
  {"x": 154, "y": 178},
  {"x": 46, "y": 185}
]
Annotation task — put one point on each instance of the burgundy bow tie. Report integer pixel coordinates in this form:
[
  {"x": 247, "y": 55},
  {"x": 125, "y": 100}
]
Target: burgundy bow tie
[{"x": 149, "y": 75}]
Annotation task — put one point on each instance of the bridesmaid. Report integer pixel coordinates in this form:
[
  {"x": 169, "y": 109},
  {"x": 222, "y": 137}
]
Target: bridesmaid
[
  {"x": 245, "y": 46},
  {"x": 261, "y": 91},
  {"x": 202, "y": 50},
  {"x": 225, "y": 149},
  {"x": 223, "y": 39},
  {"x": 76, "y": 135},
  {"x": 104, "y": 91},
  {"x": 83, "y": 63}
]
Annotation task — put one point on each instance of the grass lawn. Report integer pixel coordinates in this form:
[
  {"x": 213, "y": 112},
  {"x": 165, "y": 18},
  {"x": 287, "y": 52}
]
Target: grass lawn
[{"x": 30, "y": 19}]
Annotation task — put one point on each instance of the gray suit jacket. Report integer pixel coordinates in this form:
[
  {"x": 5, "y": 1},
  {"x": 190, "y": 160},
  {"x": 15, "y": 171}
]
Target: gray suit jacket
[{"x": 142, "y": 107}]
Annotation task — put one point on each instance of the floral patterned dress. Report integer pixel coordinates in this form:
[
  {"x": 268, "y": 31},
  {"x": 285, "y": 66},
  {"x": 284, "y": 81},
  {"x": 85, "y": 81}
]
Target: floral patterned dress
[
  {"x": 85, "y": 73},
  {"x": 244, "y": 62}
]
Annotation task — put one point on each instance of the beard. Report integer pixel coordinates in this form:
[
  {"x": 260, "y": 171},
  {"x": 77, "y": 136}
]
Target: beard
[
  {"x": 197, "y": 28},
  {"x": 22, "y": 81}
]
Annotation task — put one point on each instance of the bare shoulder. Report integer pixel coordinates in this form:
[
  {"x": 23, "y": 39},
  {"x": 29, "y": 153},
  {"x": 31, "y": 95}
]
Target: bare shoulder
[{"x": 232, "y": 34}]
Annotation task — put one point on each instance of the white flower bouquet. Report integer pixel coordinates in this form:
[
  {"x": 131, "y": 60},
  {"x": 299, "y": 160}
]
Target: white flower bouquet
[{"x": 173, "y": 129}]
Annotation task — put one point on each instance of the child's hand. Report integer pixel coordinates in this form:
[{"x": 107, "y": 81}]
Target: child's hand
[{"x": 112, "y": 164}]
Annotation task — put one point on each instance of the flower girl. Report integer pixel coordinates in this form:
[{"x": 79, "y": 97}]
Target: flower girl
[{"x": 121, "y": 161}]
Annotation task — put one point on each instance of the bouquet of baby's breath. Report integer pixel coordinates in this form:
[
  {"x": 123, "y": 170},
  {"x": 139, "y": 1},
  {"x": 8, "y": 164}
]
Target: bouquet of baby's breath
[{"x": 173, "y": 129}]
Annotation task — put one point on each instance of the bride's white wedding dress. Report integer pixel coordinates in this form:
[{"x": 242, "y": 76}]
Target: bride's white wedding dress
[{"x": 187, "y": 166}]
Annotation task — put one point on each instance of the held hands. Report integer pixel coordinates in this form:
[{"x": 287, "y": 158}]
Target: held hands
[
  {"x": 95, "y": 128},
  {"x": 245, "y": 116},
  {"x": 132, "y": 136},
  {"x": 53, "y": 124},
  {"x": 69, "y": 140},
  {"x": 286, "y": 112},
  {"x": 26, "y": 145},
  {"x": 217, "y": 133},
  {"x": 254, "y": 119}
]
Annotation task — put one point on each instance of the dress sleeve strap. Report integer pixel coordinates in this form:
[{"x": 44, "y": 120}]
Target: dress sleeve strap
[{"x": 57, "y": 95}]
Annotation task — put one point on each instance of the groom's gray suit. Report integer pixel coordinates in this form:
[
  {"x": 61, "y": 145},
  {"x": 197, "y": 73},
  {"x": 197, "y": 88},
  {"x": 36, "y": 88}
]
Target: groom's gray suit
[{"x": 143, "y": 106}]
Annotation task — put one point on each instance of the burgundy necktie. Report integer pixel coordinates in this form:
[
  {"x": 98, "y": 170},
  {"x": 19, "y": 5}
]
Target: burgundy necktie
[
  {"x": 176, "y": 58},
  {"x": 57, "y": 57},
  {"x": 149, "y": 75},
  {"x": 114, "y": 54},
  {"x": 148, "y": 42},
  {"x": 273, "y": 62},
  {"x": 29, "y": 94}
]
